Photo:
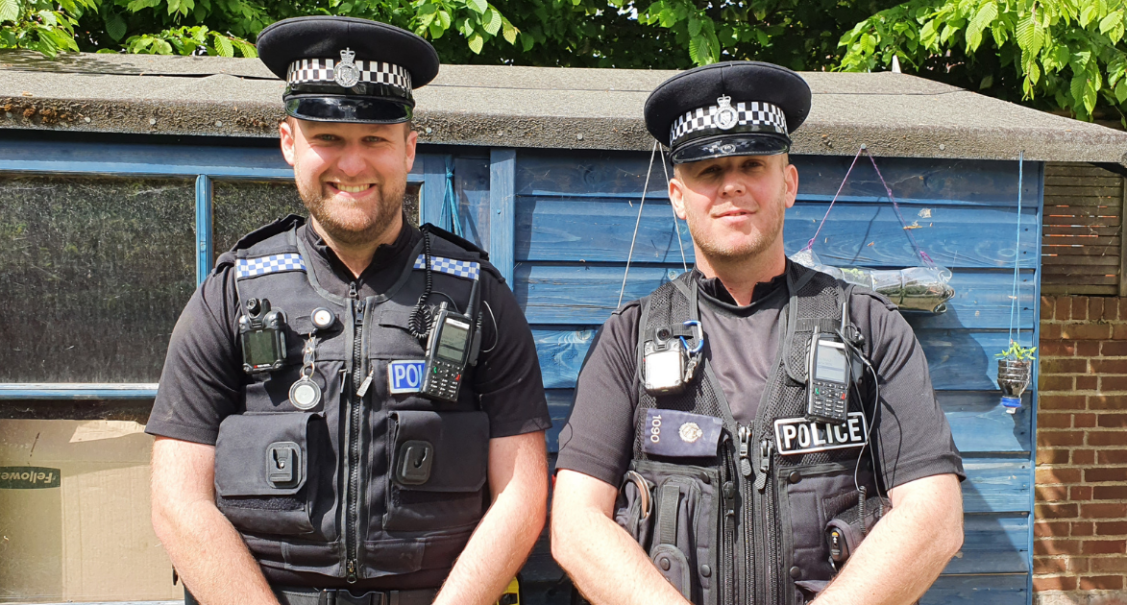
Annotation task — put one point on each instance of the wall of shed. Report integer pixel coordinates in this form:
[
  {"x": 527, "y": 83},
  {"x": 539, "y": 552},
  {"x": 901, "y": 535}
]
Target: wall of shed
[{"x": 560, "y": 223}]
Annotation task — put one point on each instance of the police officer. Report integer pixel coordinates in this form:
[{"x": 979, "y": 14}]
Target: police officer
[
  {"x": 693, "y": 467},
  {"x": 351, "y": 408}
]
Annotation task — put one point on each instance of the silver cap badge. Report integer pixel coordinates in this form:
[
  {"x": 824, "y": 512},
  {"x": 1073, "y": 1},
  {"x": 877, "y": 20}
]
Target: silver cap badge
[
  {"x": 726, "y": 116},
  {"x": 345, "y": 73}
]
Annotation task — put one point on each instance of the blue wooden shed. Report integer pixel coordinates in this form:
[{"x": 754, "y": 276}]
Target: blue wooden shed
[{"x": 122, "y": 177}]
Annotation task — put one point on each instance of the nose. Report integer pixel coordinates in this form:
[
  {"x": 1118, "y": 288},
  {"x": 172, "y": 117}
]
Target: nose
[
  {"x": 733, "y": 185},
  {"x": 351, "y": 161}
]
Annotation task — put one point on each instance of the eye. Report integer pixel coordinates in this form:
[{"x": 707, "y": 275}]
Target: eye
[{"x": 328, "y": 138}]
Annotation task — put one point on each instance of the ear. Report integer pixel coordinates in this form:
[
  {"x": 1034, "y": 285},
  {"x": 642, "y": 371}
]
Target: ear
[
  {"x": 677, "y": 197},
  {"x": 287, "y": 136},
  {"x": 790, "y": 178},
  {"x": 412, "y": 141}
]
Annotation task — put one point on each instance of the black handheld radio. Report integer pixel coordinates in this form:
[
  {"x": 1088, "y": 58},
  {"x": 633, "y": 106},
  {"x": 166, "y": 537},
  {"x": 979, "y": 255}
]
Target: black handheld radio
[
  {"x": 827, "y": 379},
  {"x": 453, "y": 343}
]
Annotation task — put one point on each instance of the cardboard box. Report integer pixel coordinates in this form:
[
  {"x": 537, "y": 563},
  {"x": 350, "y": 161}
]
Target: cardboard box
[{"x": 74, "y": 514}]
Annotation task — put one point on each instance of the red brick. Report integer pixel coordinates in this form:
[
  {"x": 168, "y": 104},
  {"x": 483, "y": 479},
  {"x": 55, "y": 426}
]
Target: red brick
[
  {"x": 1054, "y": 421},
  {"x": 1113, "y": 348},
  {"x": 1105, "y": 547},
  {"x": 1060, "y": 438},
  {"x": 1049, "y": 476},
  {"x": 1106, "y": 402},
  {"x": 1067, "y": 402},
  {"x": 1082, "y": 421},
  {"x": 1118, "y": 332},
  {"x": 1052, "y": 332},
  {"x": 1109, "y": 366},
  {"x": 1080, "y": 307},
  {"x": 1052, "y": 493},
  {"x": 1083, "y": 457},
  {"x": 1086, "y": 383},
  {"x": 1048, "y": 565},
  {"x": 1056, "y": 511},
  {"x": 1083, "y": 528},
  {"x": 1101, "y": 583},
  {"x": 1053, "y": 529},
  {"x": 1095, "y": 308},
  {"x": 1113, "y": 383},
  {"x": 1052, "y": 382},
  {"x": 1104, "y": 510},
  {"x": 1087, "y": 348},
  {"x": 1085, "y": 331},
  {"x": 1062, "y": 310},
  {"x": 1056, "y": 546},
  {"x": 1113, "y": 456},
  {"x": 1056, "y": 348},
  {"x": 1079, "y": 493},
  {"x": 1109, "y": 564},
  {"x": 1106, "y": 438},
  {"x": 1054, "y": 583},
  {"x": 1111, "y": 309},
  {"x": 1047, "y": 307},
  {"x": 1112, "y": 421},
  {"x": 1109, "y": 492},
  {"x": 1112, "y": 528},
  {"x": 1096, "y": 475},
  {"x": 1052, "y": 456},
  {"x": 1064, "y": 365}
]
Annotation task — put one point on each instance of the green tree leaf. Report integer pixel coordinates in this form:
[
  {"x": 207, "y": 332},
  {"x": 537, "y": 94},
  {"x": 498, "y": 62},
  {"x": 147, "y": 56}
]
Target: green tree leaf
[
  {"x": 223, "y": 46},
  {"x": 476, "y": 43},
  {"x": 1121, "y": 91},
  {"x": 9, "y": 10},
  {"x": 491, "y": 21},
  {"x": 510, "y": 33},
  {"x": 1109, "y": 22},
  {"x": 115, "y": 26},
  {"x": 477, "y": 6}
]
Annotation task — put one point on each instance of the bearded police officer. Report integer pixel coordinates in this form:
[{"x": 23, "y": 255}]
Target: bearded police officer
[
  {"x": 754, "y": 429},
  {"x": 351, "y": 410}
]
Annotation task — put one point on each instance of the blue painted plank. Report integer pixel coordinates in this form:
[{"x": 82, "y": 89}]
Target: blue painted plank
[
  {"x": 985, "y": 589},
  {"x": 600, "y": 230},
  {"x": 979, "y": 424},
  {"x": 959, "y": 360},
  {"x": 996, "y": 485},
  {"x": 992, "y": 544},
  {"x": 434, "y": 189},
  {"x": 502, "y": 214},
  {"x": 204, "y": 254},
  {"x": 587, "y": 294},
  {"x": 121, "y": 159},
  {"x": 911, "y": 179},
  {"x": 68, "y": 391}
]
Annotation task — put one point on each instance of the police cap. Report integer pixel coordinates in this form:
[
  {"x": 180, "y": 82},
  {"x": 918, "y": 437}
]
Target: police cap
[
  {"x": 726, "y": 109},
  {"x": 341, "y": 69}
]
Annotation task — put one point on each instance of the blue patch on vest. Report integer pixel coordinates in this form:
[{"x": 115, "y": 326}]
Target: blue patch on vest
[
  {"x": 405, "y": 376},
  {"x": 680, "y": 434},
  {"x": 450, "y": 266},
  {"x": 263, "y": 265}
]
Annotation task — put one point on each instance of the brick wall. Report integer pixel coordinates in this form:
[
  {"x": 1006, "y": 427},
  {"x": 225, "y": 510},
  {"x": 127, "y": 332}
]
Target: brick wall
[{"x": 1080, "y": 531}]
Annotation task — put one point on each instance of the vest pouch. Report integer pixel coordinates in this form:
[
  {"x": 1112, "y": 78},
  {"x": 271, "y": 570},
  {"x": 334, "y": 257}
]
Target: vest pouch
[
  {"x": 262, "y": 465},
  {"x": 438, "y": 470},
  {"x": 683, "y": 527},
  {"x": 811, "y": 496}
]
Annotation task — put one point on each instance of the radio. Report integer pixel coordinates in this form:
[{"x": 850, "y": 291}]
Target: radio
[
  {"x": 451, "y": 346},
  {"x": 827, "y": 379}
]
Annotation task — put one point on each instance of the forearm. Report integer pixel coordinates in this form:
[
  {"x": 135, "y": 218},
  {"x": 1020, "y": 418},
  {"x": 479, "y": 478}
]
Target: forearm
[
  {"x": 604, "y": 562},
  {"x": 210, "y": 556},
  {"x": 902, "y": 556}
]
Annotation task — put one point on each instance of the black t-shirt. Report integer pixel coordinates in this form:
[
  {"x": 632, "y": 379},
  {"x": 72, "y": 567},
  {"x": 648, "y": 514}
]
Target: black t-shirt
[
  {"x": 740, "y": 345},
  {"x": 203, "y": 380}
]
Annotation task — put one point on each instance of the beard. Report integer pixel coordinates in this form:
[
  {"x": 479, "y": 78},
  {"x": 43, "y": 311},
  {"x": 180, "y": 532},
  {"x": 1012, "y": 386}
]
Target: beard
[
  {"x": 347, "y": 226},
  {"x": 760, "y": 240}
]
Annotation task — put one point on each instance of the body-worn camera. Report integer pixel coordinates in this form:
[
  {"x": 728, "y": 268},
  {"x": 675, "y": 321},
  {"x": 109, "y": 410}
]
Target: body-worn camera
[
  {"x": 668, "y": 362},
  {"x": 262, "y": 336}
]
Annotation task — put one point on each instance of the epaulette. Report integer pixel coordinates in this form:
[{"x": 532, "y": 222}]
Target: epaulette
[
  {"x": 279, "y": 226},
  {"x": 461, "y": 242}
]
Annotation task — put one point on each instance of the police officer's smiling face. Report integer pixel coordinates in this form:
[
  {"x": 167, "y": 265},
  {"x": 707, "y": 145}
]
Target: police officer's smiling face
[
  {"x": 352, "y": 177},
  {"x": 735, "y": 205}
]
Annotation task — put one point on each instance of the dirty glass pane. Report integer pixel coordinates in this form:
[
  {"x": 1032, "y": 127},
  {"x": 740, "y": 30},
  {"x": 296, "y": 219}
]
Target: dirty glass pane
[
  {"x": 75, "y": 514},
  {"x": 93, "y": 274},
  {"x": 239, "y": 207}
]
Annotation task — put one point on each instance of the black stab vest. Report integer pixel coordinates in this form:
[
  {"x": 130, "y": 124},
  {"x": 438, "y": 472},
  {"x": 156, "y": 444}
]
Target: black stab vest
[
  {"x": 746, "y": 528},
  {"x": 350, "y": 517}
]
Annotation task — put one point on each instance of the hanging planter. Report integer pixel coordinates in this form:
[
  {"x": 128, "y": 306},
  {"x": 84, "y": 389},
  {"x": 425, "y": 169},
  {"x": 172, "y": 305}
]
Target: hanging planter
[{"x": 1015, "y": 370}]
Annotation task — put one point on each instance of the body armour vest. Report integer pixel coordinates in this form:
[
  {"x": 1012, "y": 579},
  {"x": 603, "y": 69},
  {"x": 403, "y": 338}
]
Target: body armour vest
[
  {"x": 374, "y": 479},
  {"x": 736, "y": 513}
]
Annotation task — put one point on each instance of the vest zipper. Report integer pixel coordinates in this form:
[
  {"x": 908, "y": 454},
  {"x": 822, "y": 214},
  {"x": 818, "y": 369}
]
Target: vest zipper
[
  {"x": 748, "y": 533},
  {"x": 728, "y": 532},
  {"x": 352, "y": 461},
  {"x": 766, "y": 551}
]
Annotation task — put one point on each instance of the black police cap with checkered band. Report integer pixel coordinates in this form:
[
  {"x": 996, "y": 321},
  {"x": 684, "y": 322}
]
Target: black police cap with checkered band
[
  {"x": 341, "y": 69},
  {"x": 728, "y": 109}
]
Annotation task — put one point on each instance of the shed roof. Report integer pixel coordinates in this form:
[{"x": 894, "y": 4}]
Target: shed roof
[{"x": 506, "y": 106}]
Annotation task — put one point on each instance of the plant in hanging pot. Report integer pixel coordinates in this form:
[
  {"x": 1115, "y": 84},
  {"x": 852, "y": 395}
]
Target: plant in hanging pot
[{"x": 1015, "y": 369}]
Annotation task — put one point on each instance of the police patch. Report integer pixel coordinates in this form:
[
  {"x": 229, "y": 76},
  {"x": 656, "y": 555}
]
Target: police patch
[
  {"x": 405, "y": 375},
  {"x": 680, "y": 434},
  {"x": 450, "y": 266},
  {"x": 264, "y": 265},
  {"x": 801, "y": 436}
]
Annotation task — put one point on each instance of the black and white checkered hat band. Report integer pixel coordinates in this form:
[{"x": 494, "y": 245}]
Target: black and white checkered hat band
[
  {"x": 747, "y": 114},
  {"x": 321, "y": 70}
]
